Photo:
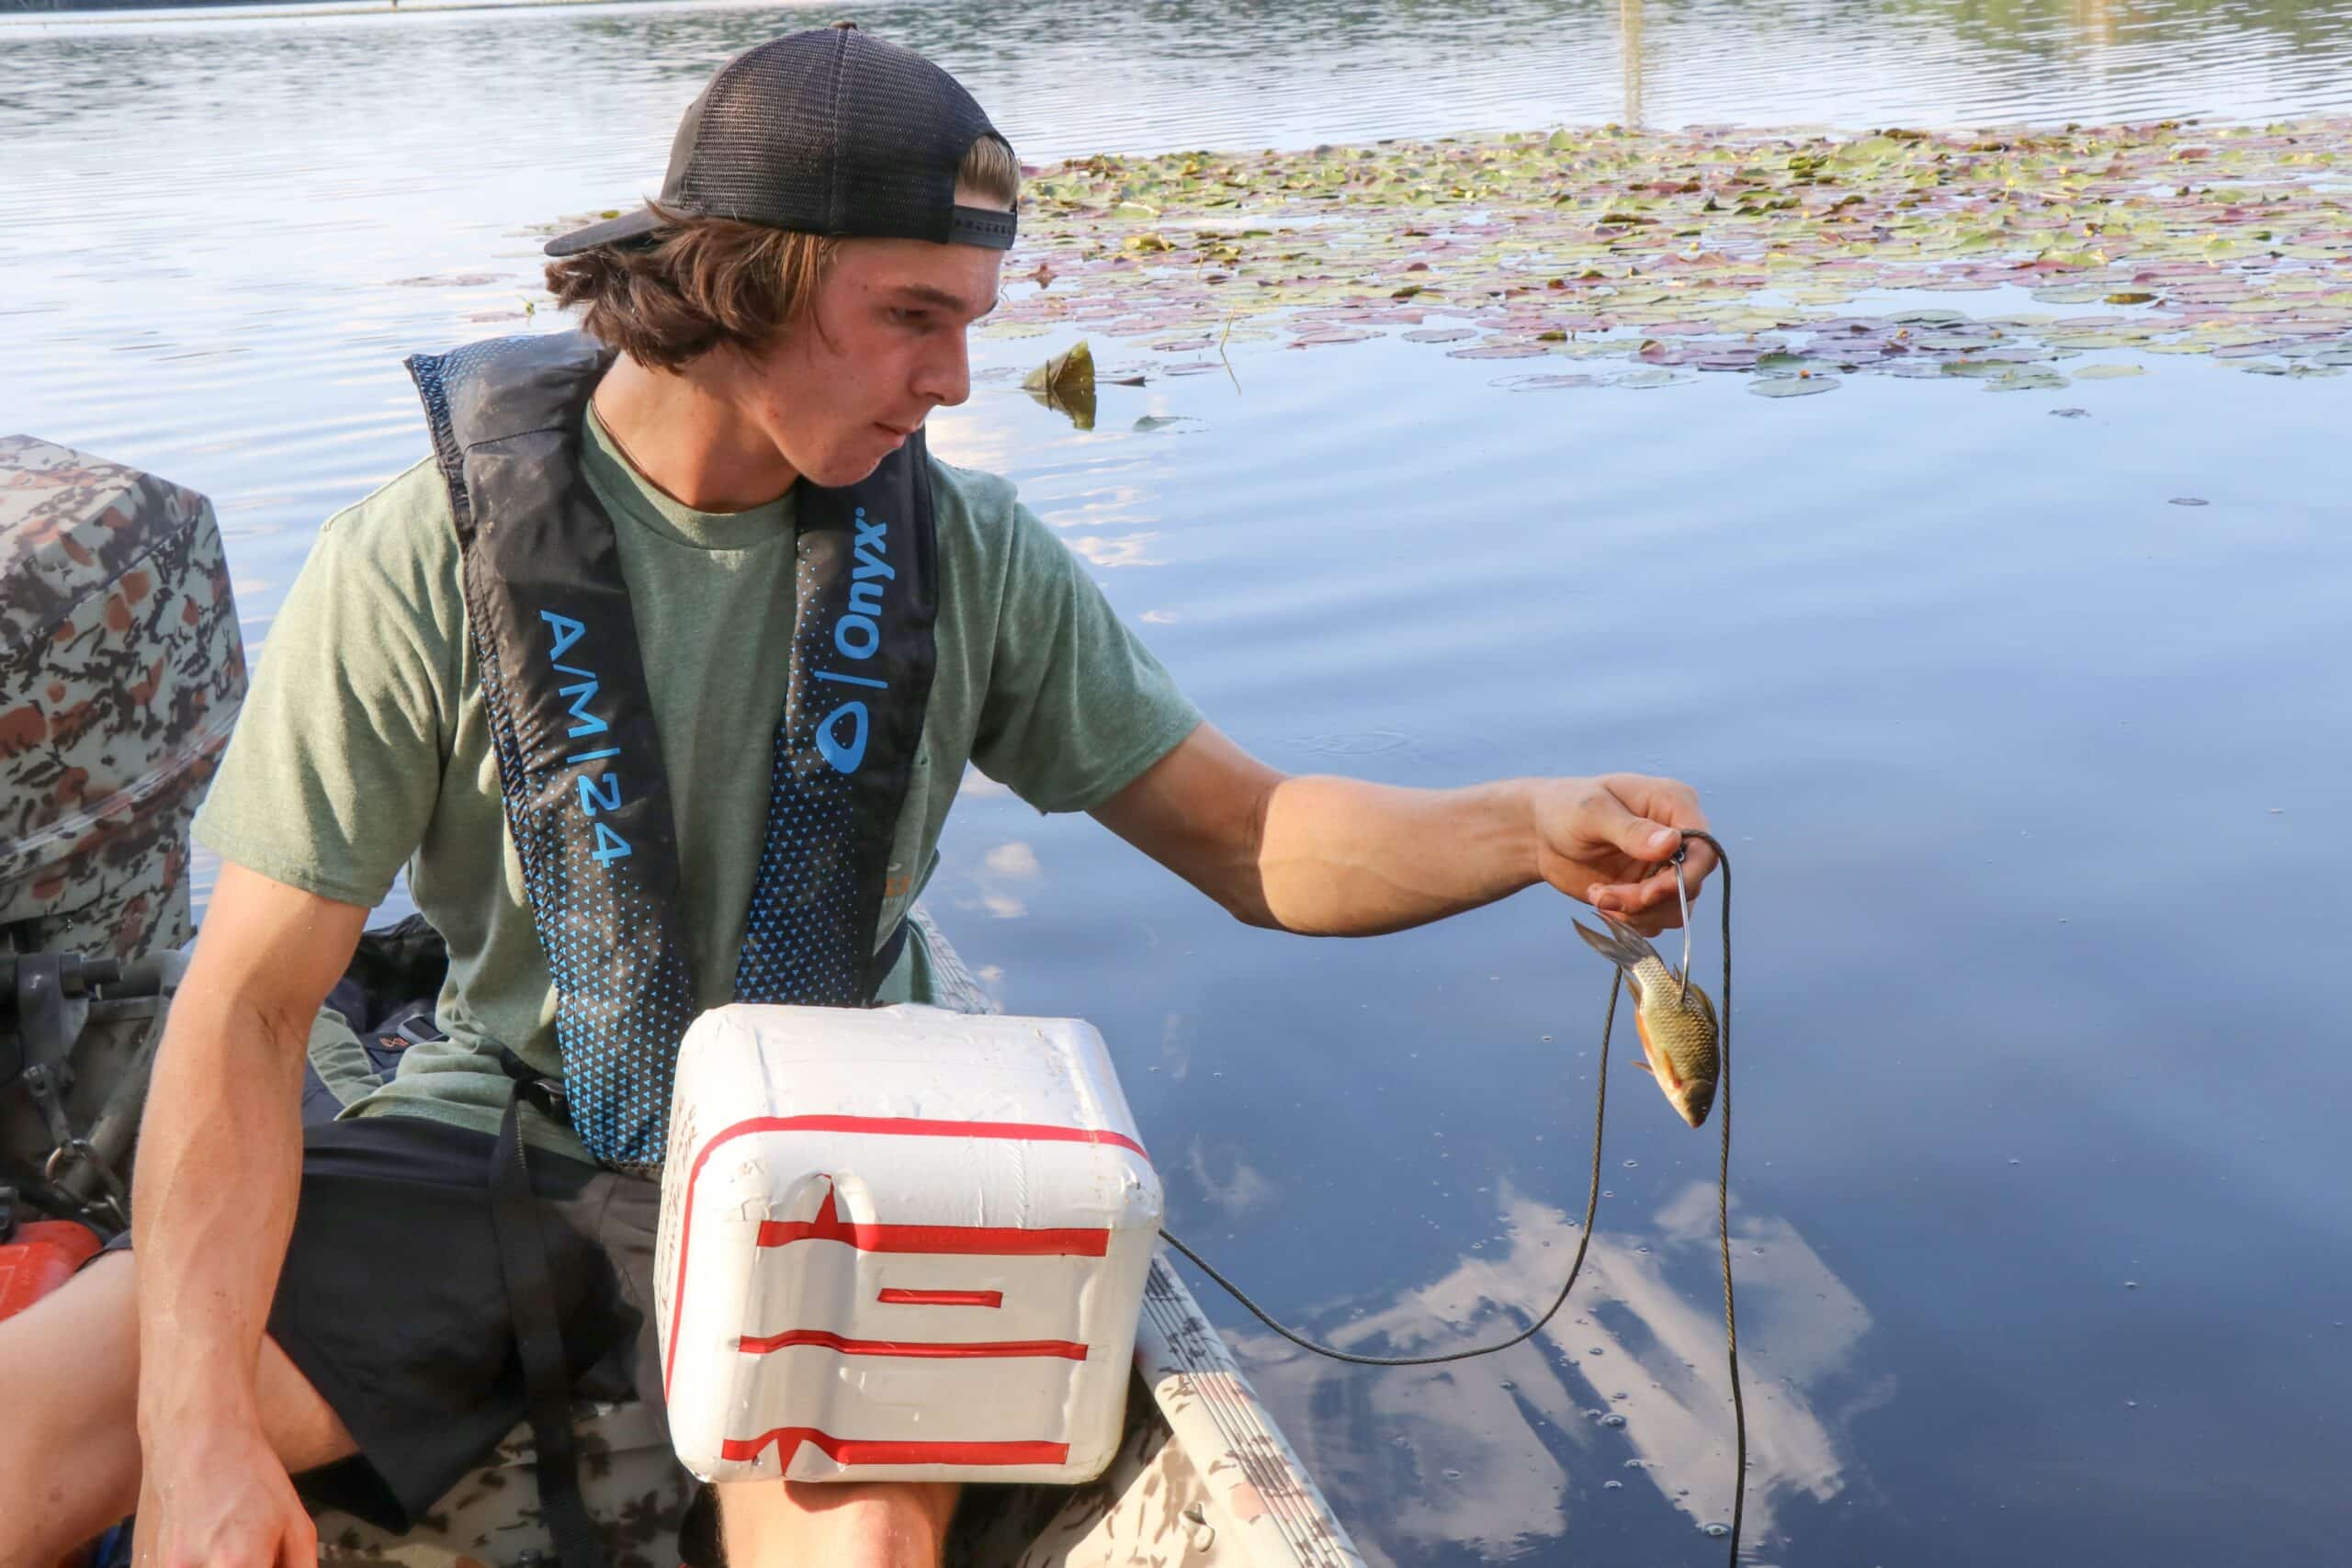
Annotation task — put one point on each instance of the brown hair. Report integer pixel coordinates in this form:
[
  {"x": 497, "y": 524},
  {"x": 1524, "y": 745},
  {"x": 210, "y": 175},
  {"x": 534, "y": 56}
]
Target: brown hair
[{"x": 697, "y": 284}]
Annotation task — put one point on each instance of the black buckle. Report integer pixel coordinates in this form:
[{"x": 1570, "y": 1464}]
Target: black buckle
[{"x": 534, "y": 1087}]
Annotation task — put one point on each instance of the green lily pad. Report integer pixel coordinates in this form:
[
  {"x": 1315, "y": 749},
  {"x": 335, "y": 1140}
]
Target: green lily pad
[
  {"x": 1547, "y": 383},
  {"x": 1792, "y": 386},
  {"x": 2027, "y": 381},
  {"x": 1500, "y": 351},
  {"x": 1706, "y": 241}
]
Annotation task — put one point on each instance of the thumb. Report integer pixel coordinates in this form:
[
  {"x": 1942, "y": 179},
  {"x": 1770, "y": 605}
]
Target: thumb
[{"x": 1639, "y": 837}]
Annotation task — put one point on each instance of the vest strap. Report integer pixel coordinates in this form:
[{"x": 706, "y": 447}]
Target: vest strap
[
  {"x": 587, "y": 797},
  {"x": 538, "y": 1339}
]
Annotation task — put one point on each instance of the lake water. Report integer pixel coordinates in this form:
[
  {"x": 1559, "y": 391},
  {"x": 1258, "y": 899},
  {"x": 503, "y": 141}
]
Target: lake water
[{"x": 2033, "y": 778}]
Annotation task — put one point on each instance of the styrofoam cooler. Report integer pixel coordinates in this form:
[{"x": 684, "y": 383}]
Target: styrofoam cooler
[{"x": 899, "y": 1244}]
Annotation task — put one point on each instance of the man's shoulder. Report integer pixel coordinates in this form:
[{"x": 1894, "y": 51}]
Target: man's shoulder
[
  {"x": 393, "y": 551},
  {"x": 971, "y": 498},
  {"x": 400, "y": 533},
  {"x": 407, "y": 513}
]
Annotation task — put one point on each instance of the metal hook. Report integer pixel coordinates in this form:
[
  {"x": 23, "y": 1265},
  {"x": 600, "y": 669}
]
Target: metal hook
[{"x": 1681, "y": 852}]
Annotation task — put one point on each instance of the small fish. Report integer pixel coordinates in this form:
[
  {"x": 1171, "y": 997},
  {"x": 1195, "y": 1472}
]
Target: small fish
[{"x": 1679, "y": 1032}]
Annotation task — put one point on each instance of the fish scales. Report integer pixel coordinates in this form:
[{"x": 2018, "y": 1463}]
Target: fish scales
[{"x": 1678, "y": 1027}]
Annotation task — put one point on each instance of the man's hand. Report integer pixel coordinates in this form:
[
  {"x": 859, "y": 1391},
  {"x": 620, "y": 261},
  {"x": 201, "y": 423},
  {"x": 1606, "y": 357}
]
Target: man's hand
[
  {"x": 216, "y": 1495},
  {"x": 1605, "y": 841}
]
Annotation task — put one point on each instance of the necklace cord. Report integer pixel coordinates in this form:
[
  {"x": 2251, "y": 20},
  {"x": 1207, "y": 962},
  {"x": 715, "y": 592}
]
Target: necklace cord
[{"x": 1583, "y": 1238}]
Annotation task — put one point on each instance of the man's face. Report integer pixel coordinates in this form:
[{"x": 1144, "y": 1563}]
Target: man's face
[{"x": 839, "y": 393}]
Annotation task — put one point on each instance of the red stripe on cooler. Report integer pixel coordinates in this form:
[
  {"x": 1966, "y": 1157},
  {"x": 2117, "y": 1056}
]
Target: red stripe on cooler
[
  {"x": 893, "y": 1296},
  {"x": 860, "y": 1450},
  {"x": 1068, "y": 1350},
  {"x": 987, "y": 1241}
]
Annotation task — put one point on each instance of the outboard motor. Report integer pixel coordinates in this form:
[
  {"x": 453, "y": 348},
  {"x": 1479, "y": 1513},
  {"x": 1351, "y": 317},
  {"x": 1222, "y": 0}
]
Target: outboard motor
[{"x": 121, "y": 670}]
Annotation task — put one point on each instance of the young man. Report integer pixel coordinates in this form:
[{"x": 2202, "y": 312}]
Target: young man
[{"x": 545, "y": 670}]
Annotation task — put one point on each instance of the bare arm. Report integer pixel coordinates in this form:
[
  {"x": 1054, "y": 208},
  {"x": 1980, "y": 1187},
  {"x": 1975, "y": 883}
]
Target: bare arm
[
  {"x": 1328, "y": 856},
  {"x": 219, "y": 1161}
]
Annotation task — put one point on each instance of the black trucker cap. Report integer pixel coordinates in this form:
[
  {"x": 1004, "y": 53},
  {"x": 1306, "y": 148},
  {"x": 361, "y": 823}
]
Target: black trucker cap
[{"x": 828, "y": 131}]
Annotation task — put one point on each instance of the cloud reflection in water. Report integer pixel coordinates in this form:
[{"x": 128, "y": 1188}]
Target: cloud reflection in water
[{"x": 1510, "y": 1479}]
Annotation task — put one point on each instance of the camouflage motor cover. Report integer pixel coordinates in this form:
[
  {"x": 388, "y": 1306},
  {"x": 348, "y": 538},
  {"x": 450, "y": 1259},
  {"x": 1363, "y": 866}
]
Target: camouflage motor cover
[{"x": 122, "y": 672}]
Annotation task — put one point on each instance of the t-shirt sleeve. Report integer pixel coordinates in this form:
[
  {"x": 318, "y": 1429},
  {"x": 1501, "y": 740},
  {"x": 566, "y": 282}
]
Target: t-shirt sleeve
[
  {"x": 330, "y": 778},
  {"x": 1076, "y": 706}
]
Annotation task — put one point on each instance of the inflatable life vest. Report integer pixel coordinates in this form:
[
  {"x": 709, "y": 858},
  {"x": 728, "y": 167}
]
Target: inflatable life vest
[{"x": 579, "y": 759}]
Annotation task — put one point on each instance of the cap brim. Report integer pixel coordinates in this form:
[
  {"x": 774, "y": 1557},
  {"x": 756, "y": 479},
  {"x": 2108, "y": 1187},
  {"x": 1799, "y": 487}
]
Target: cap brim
[{"x": 628, "y": 226}]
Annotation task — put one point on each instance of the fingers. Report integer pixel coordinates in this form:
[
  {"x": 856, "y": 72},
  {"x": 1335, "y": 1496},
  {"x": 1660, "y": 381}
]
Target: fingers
[
  {"x": 298, "y": 1542},
  {"x": 1648, "y": 906}
]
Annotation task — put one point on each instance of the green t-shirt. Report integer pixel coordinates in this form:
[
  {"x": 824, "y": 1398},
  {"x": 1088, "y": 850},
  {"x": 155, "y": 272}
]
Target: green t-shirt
[{"x": 363, "y": 744}]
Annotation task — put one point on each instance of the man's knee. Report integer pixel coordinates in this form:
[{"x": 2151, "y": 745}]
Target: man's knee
[
  {"x": 884, "y": 1524},
  {"x": 68, "y": 1442}
]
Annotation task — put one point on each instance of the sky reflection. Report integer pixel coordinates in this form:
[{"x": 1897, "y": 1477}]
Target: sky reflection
[{"x": 1505, "y": 1450}]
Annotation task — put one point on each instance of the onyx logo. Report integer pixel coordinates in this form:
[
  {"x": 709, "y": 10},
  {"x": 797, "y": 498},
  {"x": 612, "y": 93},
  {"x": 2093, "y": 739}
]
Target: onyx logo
[{"x": 857, "y": 636}]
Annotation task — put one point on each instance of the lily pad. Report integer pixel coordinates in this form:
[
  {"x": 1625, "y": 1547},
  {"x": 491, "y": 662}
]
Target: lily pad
[
  {"x": 2027, "y": 381},
  {"x": 1547, "y": 383},
  {"x": 1793, "y": 386},
  {"x": 1500, "y": 351},
  {"x": 1702, "y": 240},
  {"x": 2109, "y": 372}
]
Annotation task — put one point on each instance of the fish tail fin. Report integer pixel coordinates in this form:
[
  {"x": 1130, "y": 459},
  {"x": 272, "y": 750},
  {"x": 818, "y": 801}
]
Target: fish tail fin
[{"x": 1623, "y": 946}]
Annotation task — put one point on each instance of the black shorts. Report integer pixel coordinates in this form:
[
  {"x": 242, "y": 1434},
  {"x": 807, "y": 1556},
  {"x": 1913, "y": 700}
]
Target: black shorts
[{"x": 392, "y": 1304}]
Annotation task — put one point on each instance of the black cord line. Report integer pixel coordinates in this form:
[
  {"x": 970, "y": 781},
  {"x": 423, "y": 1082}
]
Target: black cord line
[
  {"x": 1583, "y": 1238},
  {"x": 1592, "y": 1199}
]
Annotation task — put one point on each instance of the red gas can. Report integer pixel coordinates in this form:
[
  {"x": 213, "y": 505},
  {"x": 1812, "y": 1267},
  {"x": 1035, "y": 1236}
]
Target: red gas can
[{"x": 39, "y": 1258}]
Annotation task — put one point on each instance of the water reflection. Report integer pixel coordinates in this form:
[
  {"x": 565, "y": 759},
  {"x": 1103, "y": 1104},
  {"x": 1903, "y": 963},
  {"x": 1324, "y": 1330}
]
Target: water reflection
[
  {"x": 1629, "y": 47},
  {"x": 1221, "y": 73},
  {"x": 1507, "y": 1450},
  {"x": 1002, "y": 881},
  {"x": 1225, "y": 1179}
]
